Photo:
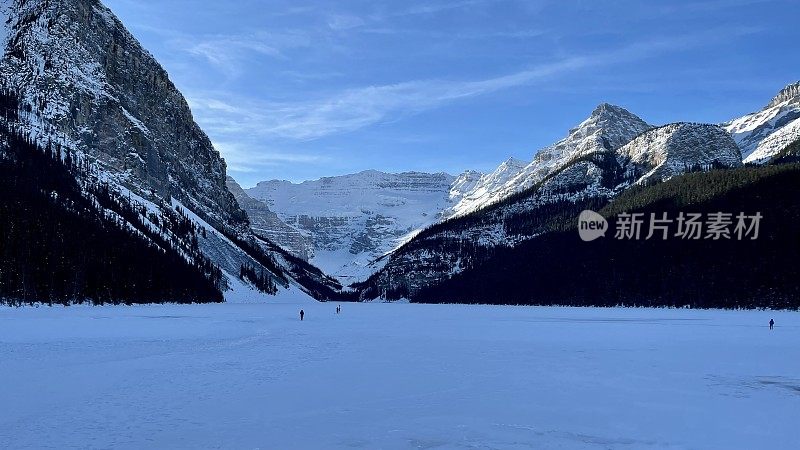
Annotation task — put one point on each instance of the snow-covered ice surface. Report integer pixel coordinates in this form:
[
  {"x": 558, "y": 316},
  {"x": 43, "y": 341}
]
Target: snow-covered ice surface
[{"x": 397, "y": 376}]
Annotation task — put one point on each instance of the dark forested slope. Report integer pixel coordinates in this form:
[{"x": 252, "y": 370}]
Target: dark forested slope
[
  {"x": 59, "y": 245},
  {"x": 559, "y": 268}
]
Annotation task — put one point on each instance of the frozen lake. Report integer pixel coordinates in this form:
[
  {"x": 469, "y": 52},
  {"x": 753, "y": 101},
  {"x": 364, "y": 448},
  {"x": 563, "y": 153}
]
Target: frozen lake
[{"x": 397, "y": 376}]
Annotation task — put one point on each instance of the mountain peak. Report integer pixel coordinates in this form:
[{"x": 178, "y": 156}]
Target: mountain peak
[
  {"x": 602, "y": 108},
  {"x": 789, "y": 92},
  {"x": 615, "y": 123},
  {"x": 514, "y": 162},
  {"x": 607, "y": 108}
]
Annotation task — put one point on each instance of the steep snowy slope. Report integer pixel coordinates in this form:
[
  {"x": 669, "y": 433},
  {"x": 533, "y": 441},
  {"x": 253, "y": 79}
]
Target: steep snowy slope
[
  {"x": 354, "y": 219},
  {"x": 86, "y": 84},
  {"x": 761, "y": 135},
  {"x": 487, "y": 188},
  {"x": 608, "y": 128}
]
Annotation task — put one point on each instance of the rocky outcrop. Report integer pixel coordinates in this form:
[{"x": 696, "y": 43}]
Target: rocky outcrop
[
  {"x": 85, "y": 78},
  {"x": 268, "y": 225},
  {"x": 673, "y": 149},
  {"x": 790, "y": 92}
]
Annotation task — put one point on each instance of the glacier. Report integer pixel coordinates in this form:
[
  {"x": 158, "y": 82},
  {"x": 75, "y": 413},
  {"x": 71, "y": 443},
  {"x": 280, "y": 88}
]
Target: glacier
[{"x": 353, "y": 220}]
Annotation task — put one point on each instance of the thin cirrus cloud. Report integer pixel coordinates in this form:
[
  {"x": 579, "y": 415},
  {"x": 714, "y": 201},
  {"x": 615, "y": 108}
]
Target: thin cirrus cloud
[
  {"x": 356, "y": 108},
  {"x": 249, "y": 158},
  {"x": 340, "y": 22},
  {"x": 227, "y": 51},
  {"x": 433, "y": 8}
]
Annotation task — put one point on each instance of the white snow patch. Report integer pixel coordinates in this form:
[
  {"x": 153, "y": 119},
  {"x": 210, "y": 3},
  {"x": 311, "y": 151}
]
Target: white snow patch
[{"x": 136, "y": 122}]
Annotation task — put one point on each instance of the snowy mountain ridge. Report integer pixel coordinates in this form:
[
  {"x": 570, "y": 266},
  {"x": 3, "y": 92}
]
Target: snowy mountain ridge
[
  {"x": 607, "y": 128},
  {"x": 356, "y": 219},
  {"x": 763, "y": 134}
]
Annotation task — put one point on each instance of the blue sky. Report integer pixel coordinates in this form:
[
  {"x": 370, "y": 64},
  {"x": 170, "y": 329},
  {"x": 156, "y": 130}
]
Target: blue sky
[{"x": 300, "y": 89}]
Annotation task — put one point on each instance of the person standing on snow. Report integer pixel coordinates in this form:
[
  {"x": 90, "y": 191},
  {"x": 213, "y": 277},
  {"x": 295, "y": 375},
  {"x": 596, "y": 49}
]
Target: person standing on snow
[
  {"x": 302, "y": 313},
  {"x": 771, "y": 323}
]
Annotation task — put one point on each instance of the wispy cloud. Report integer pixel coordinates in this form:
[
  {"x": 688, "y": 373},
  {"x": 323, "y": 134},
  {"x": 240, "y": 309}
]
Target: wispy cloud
[
  {"x": 340, "y": 22},
  {"x": 433, "y": 8},
  {"x": 710, "y": 5},
  {"x": 252, "y": 158},
  {"x": 356, "y": 108},
  {"x": 471, "y": 35},
  {"x": 226, "y": 52}
]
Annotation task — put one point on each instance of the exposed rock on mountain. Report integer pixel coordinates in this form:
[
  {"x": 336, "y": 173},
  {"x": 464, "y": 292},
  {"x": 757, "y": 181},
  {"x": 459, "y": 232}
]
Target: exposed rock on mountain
[
  {"x": 86, "y": 84},
  {"x": 761, "y": 135},
  {"x": 673, "y": 149},
  {"x": 87, "y": 79},
  {"x": 570, "y": 178},
  {"x": 268, "y": 225}
]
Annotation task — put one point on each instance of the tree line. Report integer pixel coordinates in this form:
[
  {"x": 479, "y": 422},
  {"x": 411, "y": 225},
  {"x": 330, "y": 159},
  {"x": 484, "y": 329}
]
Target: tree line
[{"x": 64, "y": 242}]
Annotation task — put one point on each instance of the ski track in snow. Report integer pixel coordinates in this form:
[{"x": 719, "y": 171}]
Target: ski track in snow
[{"x": 396, "y": 376}]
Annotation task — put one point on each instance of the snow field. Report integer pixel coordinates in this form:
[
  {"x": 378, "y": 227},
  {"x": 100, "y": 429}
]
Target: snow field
[{"x": 397, "y": 376}]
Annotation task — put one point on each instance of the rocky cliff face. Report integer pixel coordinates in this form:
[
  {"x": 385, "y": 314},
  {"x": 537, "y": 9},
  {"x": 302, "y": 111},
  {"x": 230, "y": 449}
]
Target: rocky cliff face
[
  {"x": 267, "y": 224},
  {"x": 88, "y": 80},
  {"x": 763, "y": 134},
  {"x": 88, "y": 86}
]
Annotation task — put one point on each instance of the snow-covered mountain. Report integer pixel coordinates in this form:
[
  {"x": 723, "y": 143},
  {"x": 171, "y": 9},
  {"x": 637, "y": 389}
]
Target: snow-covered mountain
[
  {"x": 86, "y": 84},
  {"x": 608, "y": 128},
  {"x": 763, "y": 134},
  {"x": 480, "y": 190},
  {"x": 587, "y": 177},
  {"x": 354, "y": 219}
]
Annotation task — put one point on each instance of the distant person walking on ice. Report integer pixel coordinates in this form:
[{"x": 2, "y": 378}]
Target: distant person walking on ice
[
  {"x": 302, "y": 313},
  {"x": 771, "y": 323}
]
